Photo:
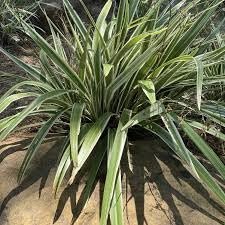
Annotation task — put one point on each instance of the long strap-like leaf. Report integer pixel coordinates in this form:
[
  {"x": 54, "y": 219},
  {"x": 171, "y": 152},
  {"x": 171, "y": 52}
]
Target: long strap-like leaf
[
  {"x": 204, "y": 148},
  {"x": 55, "y": 57},
  {"x": 13, "y": 124},
  {"x": 36, "y": 142},
  {"x": 76, "y": 19},
  {"x": 182, "y": 151},
  {"x": 62, "y": 169},
  {"x": 116, "y": 210},
  {"x": 75, "y": 122},
  {"x": 15, "y": 97},
  {"x": 90, "y": 140},
  {"x": 203, "y": 174},
  {"x": 96, "y": 163},
  {"x": 155, "y": 109},
  {"x": 116, "y": 154},
  {"x": 34, "y": 73}
]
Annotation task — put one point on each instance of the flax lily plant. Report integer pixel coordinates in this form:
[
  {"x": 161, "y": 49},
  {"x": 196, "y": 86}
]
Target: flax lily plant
[{"x": 123, "y": 71}]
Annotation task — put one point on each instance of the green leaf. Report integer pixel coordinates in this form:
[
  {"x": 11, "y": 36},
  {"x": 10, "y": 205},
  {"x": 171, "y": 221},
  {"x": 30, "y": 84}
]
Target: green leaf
[
  {"x": 133, "y": 42},
  {"x": 199, "y": 65},
  {"x": 75, "y": 122},
  {"x": 65, "y": 159},
  {"x": 76, "y": 19},
  {"x": 95, "y": 165},
  {"x": 56, "y": 58},
  {"x": 182, "y": 151},
  {"x": 155, "y": 109},
  {"x": 215, "y": 116},
  {"x": 107, "y": 68},
  {"x": 5, "y": 121},
  {"x": 90, "y": 140},
  {"x": 133, "y": 4},
  {"x": 34, "y": 73},
  {"x": 124, "y": 76},
  {"x": 15, "y": 97},
  {"x": 100, "y": 25},
  {"x": 14, "y": 123},
  {"x": 204, "y": 148},
  {"x": 194, "y": 30},
  {"x": 51, "y": 77},
  {"x": 116, "y": 210},
  {"x": 120, "y": 16},
  {"x": 116, "y": 154},
  {"x": 203, "y": 174},
  {"x": 62, "y": 168},
  {"x": 210, "y": 129},
  {"x": 36, "y": 142},
  {"x": 32, "y": 85},
  {"x": 149, "y": 89}
]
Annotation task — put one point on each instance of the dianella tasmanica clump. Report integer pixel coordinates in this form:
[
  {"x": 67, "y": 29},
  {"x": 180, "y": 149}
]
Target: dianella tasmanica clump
[{"x": 120, "y": 72}]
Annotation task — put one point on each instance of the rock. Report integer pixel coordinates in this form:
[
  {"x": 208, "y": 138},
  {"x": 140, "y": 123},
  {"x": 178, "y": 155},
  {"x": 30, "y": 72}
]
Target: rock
[{"x": 157, "y": 191}]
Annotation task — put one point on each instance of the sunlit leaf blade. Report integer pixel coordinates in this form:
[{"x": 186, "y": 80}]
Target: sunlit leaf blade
[
  {"x": 194, "y": 30},
  {"x": 34, "y": 73},
  {"x": 107, "y": 68},
  {"x": 116, "y": 210},
  {"x": 31, "y": 84},
  {"x": 133, "y": 4},
  {"x": 208, "y": 129},
  {"x": 125, "y": 75},
  {"x": 56, "y": 58},
  {"x": 215, "y": 116},
  {"x": 155, "y": 109},
  {"x": 131, "y": 43},
  {"x": 149, "y": 90},
  {"x": 203, "y": 174},
  {"x": 90, "y": 140},
  {"x": 200, "y": 72},
  {"x": 62, "y": 168},
  {"x": 182, "y": 151},
  {"x": 204, "y": 148},
  {"x": 65, "y": 159},
  {"x": 36, "y": 142},
  {"x": 13, "y": 124},
  {"x": 76, "y": 19},
  {"x": 91, "y": 177},
  {"x": 100, "y": 25},
  {"x": 116, "y": 154},
  {"x": 15, "y": 97},
  {"x": 75, "y": 123},
  {"x": 4, "y": 122}
]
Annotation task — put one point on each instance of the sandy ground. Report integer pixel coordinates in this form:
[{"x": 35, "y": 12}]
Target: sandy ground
[{"x": 159, "y": 191}]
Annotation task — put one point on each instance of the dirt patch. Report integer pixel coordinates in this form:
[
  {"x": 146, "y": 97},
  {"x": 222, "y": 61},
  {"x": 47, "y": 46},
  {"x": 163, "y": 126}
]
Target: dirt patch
[
  {"x": 27, "y": 54},
  {"x": 158, "y": 191}
]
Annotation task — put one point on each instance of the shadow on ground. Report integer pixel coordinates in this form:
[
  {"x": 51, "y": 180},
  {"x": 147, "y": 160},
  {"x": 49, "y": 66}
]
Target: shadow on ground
[
  {"x": 158, "y": 190},
  {"x": 159, "y": 170}
]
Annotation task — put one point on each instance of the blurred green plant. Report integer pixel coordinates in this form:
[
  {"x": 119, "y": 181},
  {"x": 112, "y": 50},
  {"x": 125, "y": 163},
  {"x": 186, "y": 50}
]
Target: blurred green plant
[
  {"x": 96, "y": 83},
  {"x": 9, "y": 25}
]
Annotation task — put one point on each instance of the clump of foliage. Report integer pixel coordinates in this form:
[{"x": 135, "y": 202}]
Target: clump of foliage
[{"x": 122, "y": 72}]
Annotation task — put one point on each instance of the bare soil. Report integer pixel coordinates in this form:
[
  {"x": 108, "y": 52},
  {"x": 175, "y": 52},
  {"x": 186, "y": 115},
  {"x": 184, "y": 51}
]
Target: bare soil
[{"x": 158, "y": 191}]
